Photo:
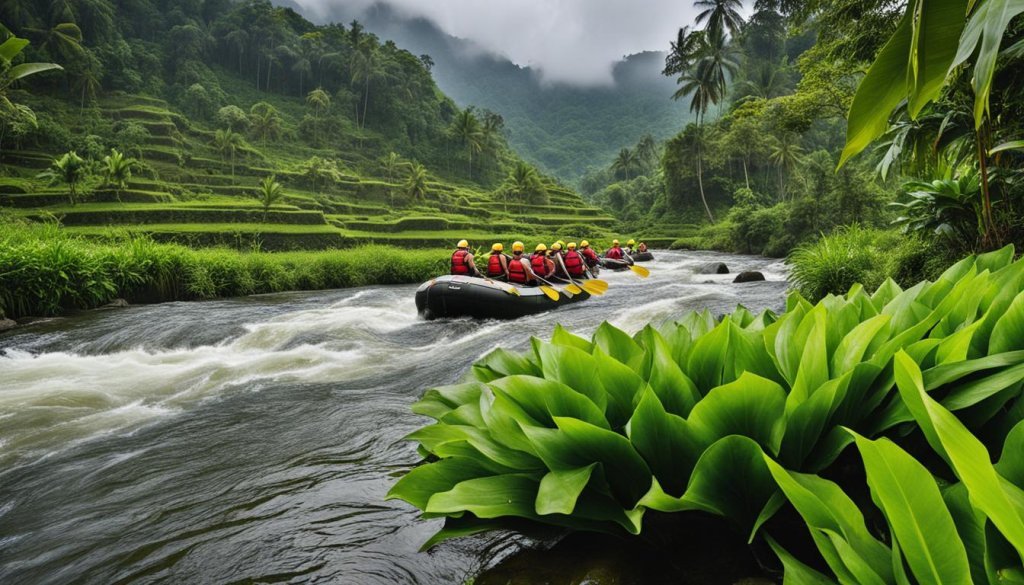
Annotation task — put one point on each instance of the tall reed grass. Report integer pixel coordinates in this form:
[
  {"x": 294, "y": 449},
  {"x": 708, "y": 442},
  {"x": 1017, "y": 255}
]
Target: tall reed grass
[{"x": 45, "y": 271}]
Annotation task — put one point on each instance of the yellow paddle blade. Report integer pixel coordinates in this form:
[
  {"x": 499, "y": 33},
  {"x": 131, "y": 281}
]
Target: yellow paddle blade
[
  {"x": 592, "y": 288},
  {"x": 573, "y": 289},
  {"x": 550, "y": 293},
  {"x": 601, "y": 284},
  {"x": 640, "y": 271},
  {"x": 512, "y": 291}
]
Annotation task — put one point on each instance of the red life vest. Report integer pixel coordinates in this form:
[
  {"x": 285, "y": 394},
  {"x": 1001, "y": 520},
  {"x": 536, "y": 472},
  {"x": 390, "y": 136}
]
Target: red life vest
[
  {"x": 459, "y": 263},
  {"x": 591, "y": 257},
  {"x": 573, "y": 263},
  {"x": 539, "y": 264},
  {"x": 494, "y": 267},
  {"x": 614, "y": 254},
  {"x": 516, "y": 270}
]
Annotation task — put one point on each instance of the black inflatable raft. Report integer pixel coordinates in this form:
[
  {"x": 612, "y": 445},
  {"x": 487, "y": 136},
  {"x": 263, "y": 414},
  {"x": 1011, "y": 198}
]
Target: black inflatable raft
[
  {"x": 642, "y": 257},
  {"x": 614, "y": 265},
  {"x": 481, "y": 298}
]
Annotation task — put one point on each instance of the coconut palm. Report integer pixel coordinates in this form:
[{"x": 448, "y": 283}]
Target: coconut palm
[
  {"x": 69, "y": 169},
  {"x": 524, "y": 184},
  {"x": 391, "y": 163},
  {"x": 227, "y": 142},
  {"x": 683, "y": 53},
  {"x": 466, "y": 129},
  {"x": 265, "y": 122},
  {"x": 87, "y": 78},
  {"x": 364, "y": 67},
  {"x": 721, "y": 15},
  {"x": 117, "y": 171},
  {"x": 416, "y": 184},
  {"x": 788, "y": 155},
  {"x": 695, "y": 139},
  {"x": 707, "y": 81},
  {"x": 269, "y": 192},
  {"x": 624, "y": 163},
  {"x": 700, "y": 83}
]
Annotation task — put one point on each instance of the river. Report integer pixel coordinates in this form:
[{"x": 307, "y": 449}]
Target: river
[{"x": 254, "y": 439}]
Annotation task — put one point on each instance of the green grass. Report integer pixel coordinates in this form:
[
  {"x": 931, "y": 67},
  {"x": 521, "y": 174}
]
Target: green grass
[{"x": 48, "y": 270}]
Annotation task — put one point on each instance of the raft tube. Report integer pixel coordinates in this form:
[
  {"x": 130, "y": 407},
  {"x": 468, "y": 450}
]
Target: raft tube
[
  {"x": 642, "y": 257},
  {"x": 481, "y": 298},
  {"x": 614, "y": 265}
]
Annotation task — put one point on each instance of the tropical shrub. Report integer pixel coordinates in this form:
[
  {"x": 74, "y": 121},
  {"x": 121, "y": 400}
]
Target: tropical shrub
[{"x": 731, "y": 416}]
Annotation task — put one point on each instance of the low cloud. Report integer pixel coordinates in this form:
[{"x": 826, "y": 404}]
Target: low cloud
[{"x": 567, "y": 41}]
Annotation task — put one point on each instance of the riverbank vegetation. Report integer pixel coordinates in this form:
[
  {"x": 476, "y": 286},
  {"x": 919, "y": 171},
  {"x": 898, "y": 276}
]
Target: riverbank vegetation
[
  {"x": 46, "y": 270},
  {"x": 780, "y": 425}
]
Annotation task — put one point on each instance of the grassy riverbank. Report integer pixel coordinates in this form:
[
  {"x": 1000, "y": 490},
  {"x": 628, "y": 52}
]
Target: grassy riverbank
[{"x": 46, "y": 270}]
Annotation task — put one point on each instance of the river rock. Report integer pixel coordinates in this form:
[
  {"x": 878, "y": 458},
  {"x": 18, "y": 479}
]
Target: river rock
[
  {"x": 116, "y": 304},
  {"x": 6, "y": 324},
  {"x": 713, "y": 268},
  {"x": 749, "y": 276}
]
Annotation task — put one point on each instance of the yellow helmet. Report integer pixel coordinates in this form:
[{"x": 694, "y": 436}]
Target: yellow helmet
[
  {"x": 463, "y": 244},
  {"x": 572, "y": 245},
  {"x": 584, "y": 244},
  {"x": 556, "y": 246},
  {"x": 631, "y": 243},
  {"x": 497, "y": 247},
  {"x": 518, "y": 247},
  {"x": 560, "y": 243},
  {"x": 541, "y": 248},
  {"x": 615, "y": 242}
]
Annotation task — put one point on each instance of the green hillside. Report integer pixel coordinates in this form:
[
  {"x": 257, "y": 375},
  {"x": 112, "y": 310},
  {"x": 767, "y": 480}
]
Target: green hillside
[{"x": 210, "y": 99}]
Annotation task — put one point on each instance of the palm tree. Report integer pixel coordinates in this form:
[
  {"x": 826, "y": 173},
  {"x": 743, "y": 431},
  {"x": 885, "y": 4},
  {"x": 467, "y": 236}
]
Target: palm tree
[
  {"x": 523, "y": 183},
  {"x": 87, "y": 78},
  {"x": 364, "y": 68},
  {"x": 647, "y": 152},
  {"x": 708, "y": 79},
  {"x": 701, "y": 84},
  {"x": 695, "y": 143},
  {"x": 683, "y": 52},
  {"x": 227, "y": 142},
  {"x": 466, "y": 128},
  {"x": 69, "y": 169},
  {"x": 391, "y": 163},
  {"x": 788, "y": 155},
  {"x": 320, "y": 101},
  {"x": 63, "y": 40},
  {"x": 11, "y": 112},
  {"x": 117, "y": 171},
  {"x": 766, "y": 82},
  {"x": 721, "y": 15},
  {"x": 269, "y": 192},
  {"x": 624, "y": 163},
  {"x": 416, "y": 184},
  {"x": 265, "y": 122}
]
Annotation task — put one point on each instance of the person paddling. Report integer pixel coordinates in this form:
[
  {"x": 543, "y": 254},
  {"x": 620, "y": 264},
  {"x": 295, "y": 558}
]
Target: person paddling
[
  {"x": 541, "y": 264},
  {"x": 462, "y": 261},
  {"x": 558, "y": 259},
  {"x": 497, "y": 263},
  {"x": 589, "y": 255},
  {"x": 573, "y": 262},
  {"x": 641, "y": 248},
  {"x": 629, "y": 247},
  {"x": 615, "y": 252},
  {"x": 519, "y": 270}
]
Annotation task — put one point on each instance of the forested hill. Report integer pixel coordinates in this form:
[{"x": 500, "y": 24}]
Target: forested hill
[
  {"x": 561, "y": 128},
  {"x": 218, "y": 101}
]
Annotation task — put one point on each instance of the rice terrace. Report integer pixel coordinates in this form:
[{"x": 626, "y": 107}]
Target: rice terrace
[{"x": 512, "y": 293}]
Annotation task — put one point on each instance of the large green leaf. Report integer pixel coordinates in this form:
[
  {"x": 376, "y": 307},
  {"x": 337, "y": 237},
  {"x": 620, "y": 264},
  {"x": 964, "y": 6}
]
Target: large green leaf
[
  {"x": 936, "y": 33},
  {"x": 488, "y": 497},
  {"x": 751, "y": 406},
  {"x": 11, "y": 48},
  {"x": 837, "y": 526},
  {"x": 573, "y": 367},
  {"x": 619, "y": 345},
  {"x": 881, "y": 90},
  {"x": 708, "y": 357},
  {"x": 675, "y": 389},
  {"x": 665, "y": 442},
  {"x": 438, "y": 402},
  {"x": 562, "y": 336},
  {"x": 909, "y": 497},
  {"x": 986, "y": 26},
  {"x": 965, "y": 453},
  {"x": 622, "y": 384},
  {"x": 545, "y": 399},
  {"x": 1008, "y": 333},
  {"x": 25, "y": 69},
  {"x": 560, "y": 489},
  {"x": 500, "y": 363},
  {"x": 715, "y": 485},
  {"x": 417, "y": 486},
  {"x": 796, "y": 573}
]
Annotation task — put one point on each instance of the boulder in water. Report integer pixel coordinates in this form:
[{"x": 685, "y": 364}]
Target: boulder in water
[
  {"x": 6, "y": 324},
  {"x": 749, "y": 276},
  {"x": 713, "y": 268},
  {"x": 116, "y": 304}
]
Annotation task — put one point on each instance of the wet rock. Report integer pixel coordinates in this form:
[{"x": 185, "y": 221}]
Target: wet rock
[
  {"x": 713, "y": 268},
  {"x": 750, "y": 276},
  {"x": 116, "y": 304},
  {"x": 6, "y": 324}
]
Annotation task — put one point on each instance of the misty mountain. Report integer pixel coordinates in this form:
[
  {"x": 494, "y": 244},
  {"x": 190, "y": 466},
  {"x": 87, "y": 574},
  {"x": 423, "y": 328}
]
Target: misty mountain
[{"x": 564, "y": 129}]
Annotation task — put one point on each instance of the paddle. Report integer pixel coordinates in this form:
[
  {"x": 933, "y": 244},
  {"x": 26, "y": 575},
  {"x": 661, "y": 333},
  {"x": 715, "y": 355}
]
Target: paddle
[
  {"x": 603, "y": 285},
  {"x": 640, "y": 271},
  {"x": 550, "y": 287},
  {"x": 591, "y": 286}
]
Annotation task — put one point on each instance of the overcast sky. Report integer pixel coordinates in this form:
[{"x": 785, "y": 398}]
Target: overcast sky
[{"x": 571, "y": 41}]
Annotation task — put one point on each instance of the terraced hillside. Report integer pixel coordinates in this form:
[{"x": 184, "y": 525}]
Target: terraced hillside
[{"x": 187, "y": 191}]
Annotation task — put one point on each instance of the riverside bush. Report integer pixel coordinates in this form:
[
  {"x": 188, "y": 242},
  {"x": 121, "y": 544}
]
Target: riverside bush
[
  {"x": 45, "y": 271},
  {"x": 736, "y": 416}
]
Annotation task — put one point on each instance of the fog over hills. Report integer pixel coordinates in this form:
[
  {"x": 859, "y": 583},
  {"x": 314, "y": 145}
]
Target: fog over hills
[{"x": 562, "y": 128}]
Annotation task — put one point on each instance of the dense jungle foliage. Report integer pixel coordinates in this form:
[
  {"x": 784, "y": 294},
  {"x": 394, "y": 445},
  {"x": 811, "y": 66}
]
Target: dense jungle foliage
[{"x": 757, "y": 172}]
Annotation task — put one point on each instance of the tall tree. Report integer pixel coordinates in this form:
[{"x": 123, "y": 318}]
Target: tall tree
[
  {"x": 69, "y": 169},
  {"x": 624, "y": 163},
  {"x": 227, "y": 142},
  {"x": 787, "y": 154},
  {"x": 269, "y": 192},
  {"x": 722, "y": 16},
  {"x": 416, "y": 183},
  {"x": 466, "y": 129},
  {"x": 695, "y": 142}
]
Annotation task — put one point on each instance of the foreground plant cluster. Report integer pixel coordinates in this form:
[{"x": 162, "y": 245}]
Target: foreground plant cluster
[{"x": 744, "y": 416}]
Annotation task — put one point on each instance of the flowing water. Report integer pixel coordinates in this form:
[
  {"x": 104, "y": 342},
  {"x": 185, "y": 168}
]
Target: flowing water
[{"x": 254, "y": 439}]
